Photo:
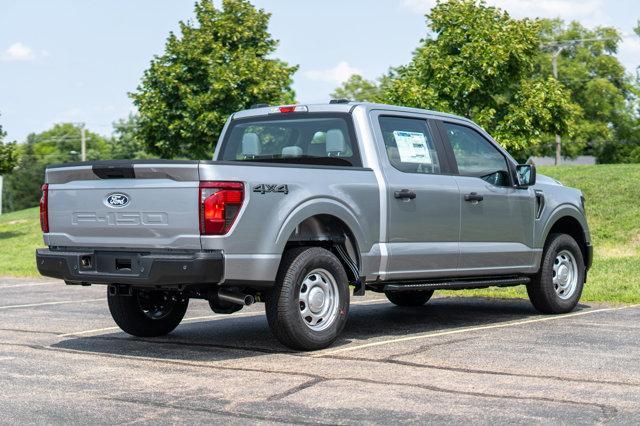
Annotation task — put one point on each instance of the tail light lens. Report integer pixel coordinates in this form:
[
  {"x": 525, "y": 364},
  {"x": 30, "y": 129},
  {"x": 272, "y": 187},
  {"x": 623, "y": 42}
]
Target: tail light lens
[
  {"x": 220, "y": 203},
  {"x": 44, "y": 208}
]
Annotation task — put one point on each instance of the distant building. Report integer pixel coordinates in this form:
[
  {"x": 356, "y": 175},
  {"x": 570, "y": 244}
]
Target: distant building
[{"x": 581, "y": 160}]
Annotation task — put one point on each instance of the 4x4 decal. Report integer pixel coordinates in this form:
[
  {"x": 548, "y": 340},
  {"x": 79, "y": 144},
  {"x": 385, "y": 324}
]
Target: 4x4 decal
[{"x": 264, "y": 188}]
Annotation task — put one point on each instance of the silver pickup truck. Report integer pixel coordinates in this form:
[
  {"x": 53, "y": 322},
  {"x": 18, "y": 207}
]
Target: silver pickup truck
[{"x": 301, "y": 202}]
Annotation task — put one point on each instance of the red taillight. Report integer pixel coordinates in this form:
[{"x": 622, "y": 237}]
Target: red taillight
[
  {"x": 288, "y": 108},
  {"x": 220, "y": 203},
  {"x": 44, "y": 208}
]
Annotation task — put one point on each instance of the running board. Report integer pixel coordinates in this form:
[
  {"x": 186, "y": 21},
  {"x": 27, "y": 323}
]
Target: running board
[{"x": 457, "y": 284}]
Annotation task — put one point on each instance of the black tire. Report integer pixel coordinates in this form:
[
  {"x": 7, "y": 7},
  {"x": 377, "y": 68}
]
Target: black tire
[
  {"x": 283, "y": 302},
  {"x": 409, "y": 298},
  {"x": 542, "y": 290},
  {"x": 147, "y": 313}
]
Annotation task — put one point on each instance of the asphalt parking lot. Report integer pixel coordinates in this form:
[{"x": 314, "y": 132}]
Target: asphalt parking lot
[{"x": 455, "y": 360}]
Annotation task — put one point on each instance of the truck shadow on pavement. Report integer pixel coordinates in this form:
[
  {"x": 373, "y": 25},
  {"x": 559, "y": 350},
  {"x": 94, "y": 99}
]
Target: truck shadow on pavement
[{"x": 249, "y": 336}]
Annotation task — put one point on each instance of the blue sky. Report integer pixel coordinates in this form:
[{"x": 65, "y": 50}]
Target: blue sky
[{"x": 75, "y": 61}]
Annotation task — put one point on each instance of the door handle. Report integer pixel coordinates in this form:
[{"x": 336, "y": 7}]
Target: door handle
[
  {"x": 404, "y": 194},
  {"x": 474, "y": 196}
]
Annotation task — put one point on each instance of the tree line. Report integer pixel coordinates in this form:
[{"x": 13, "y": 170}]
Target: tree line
[
  {"x": 480, "y": 63},
  {"x": 473, "y": 60}
]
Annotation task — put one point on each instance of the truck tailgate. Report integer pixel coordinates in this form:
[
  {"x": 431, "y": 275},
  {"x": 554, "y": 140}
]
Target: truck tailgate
[{"x": 124, "y": 204}]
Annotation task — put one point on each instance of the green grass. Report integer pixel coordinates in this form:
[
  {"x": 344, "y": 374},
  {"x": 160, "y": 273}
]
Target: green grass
[
  {"x": 20, "y": 235},
  {"x": 613, "y": 210}
]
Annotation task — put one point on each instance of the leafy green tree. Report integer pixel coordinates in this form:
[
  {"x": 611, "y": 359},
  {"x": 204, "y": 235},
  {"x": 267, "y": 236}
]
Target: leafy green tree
[
  {"x": 126, "y": 143},
  {"x": 539, "y": 108},
  {"x": 479, "y": 63},
  {"x": 208, "y": 71},
  {"x": 60, "y": 144},
  {"x": 22, "y": 186},
  {"x": 8, "y": 157},
  {"x": 357, "y": 88},
  {"x": 8, "y": 154},
  {"x": 596, "y": 81}
]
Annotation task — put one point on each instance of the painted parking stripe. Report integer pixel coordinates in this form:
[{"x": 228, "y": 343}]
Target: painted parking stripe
[
  {"x": 205, "y": 317},
  {"x": 464, "y": 330},
  {"x": 62, "y": 302},
  {"x": 30, "y": 284}
]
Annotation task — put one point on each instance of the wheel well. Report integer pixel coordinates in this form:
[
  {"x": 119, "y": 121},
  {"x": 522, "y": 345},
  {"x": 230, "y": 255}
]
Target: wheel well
[
  {"x": 570, "y": 226},
  {"x": 330, "y": 232}
]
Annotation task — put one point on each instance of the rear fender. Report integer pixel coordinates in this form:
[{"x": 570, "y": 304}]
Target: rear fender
[{"x": 320, "y": 206}]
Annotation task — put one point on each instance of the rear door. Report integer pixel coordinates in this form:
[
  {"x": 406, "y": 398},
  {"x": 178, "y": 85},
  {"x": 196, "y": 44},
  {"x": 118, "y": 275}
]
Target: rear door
[
  {"x": 124, "y": 204},
  {"x": 423, "y": 219},
  {"x": 496, "y": 234}
]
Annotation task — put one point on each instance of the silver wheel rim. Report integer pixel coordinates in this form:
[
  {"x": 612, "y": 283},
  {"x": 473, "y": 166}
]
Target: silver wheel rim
[
  {"x": 318, "y": 299},
  {"x": 565, "y": 274}
]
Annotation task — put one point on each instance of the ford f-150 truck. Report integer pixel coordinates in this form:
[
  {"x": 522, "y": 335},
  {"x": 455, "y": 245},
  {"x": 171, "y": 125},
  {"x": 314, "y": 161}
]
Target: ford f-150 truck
[{"x": 301, "y": 202}]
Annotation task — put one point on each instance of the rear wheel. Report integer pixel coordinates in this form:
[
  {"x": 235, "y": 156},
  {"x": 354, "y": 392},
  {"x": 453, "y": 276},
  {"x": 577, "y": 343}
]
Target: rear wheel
[
  {"x": 308, "y": 306},
  {"x": 409, "y": 298},
  {"x": 558, "y": 285},
  {"x": 147, "y": 313}
]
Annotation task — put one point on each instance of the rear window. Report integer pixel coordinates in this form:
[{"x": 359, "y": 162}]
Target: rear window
[{"x": 316, "y": 139}]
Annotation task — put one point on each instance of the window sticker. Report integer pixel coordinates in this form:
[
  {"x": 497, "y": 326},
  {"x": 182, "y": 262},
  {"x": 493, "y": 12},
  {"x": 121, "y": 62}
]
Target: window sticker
[{"x": 412, "y": 147}]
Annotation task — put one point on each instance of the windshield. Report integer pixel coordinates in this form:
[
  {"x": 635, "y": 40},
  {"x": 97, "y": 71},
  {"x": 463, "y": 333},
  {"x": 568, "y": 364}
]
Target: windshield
[{"x": 320, "y": 139}]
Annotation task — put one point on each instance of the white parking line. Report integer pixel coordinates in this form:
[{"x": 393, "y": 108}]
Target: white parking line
[
  {"x": 371, "y": 301},
  {"x": 63, "y": 302},
  {"x": 463, "y": 330},
  {"x": 204, "y": 317},
  {"x": 31, "y": 284}
]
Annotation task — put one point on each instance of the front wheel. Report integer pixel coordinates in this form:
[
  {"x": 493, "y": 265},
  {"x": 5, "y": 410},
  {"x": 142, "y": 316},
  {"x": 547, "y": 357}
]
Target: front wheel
[
  {"x": 147, "y": 313},
  {"x": 557, "y": 287},
  {"x": 309, "y": 303}
]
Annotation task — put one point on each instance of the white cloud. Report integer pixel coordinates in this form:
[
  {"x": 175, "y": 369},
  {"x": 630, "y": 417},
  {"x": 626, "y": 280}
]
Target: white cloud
[
  {"x": 586, "y": 11},
  {"x": 338, "y": 74},
  {"x": 18, "y": 52}
]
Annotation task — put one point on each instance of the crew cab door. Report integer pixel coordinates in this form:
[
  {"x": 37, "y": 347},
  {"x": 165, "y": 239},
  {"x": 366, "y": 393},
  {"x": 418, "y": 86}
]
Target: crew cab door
[
  {"x": 497, "y": 219},
  {"x": 423, "y": 202}
]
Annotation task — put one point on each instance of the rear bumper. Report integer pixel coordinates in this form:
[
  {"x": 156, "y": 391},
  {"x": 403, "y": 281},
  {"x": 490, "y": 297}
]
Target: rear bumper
[{"x": 134, "y": 268}]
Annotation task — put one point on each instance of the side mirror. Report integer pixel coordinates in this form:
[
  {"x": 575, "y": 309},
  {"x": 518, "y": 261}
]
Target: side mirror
[{"x": 526, "y": 175}]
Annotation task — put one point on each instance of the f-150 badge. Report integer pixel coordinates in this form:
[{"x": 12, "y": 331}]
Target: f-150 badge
[{"x": 265, "y": 188}]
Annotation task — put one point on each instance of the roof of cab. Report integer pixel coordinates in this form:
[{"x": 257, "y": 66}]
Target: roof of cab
[{"x": 343, "y": 107}]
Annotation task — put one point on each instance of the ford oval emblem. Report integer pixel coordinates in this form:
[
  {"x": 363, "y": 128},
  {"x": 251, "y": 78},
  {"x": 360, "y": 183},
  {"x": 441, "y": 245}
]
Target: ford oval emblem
[{"x": 117, "y": 200}]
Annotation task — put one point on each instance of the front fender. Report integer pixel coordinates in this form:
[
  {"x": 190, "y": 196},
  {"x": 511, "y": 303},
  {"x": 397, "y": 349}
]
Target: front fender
[{"x": 563, "y": 210}]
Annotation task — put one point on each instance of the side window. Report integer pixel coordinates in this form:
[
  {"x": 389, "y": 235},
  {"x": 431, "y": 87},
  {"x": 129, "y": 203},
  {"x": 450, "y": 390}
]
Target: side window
[
  {"x": 409, "y": 145},
  {"x": 476, "y": 156}
]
